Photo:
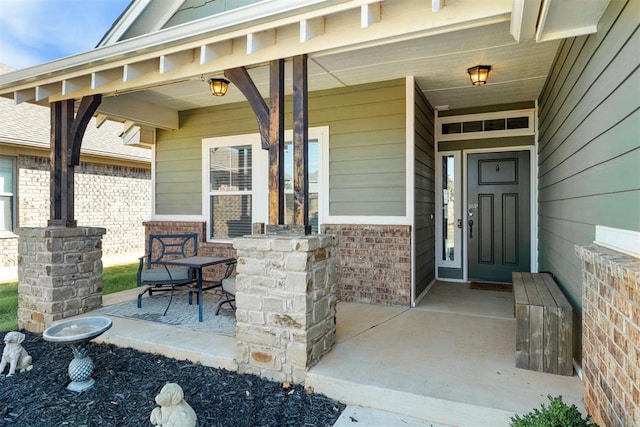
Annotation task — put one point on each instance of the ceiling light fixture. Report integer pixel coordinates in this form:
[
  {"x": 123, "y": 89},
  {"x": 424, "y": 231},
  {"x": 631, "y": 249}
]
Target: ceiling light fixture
[
  {"x": 479, "y": 74},
  {"x": 218, "y": 87}
]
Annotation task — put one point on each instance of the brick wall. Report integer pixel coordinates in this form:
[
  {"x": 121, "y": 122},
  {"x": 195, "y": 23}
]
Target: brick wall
[
  {"x": 114, "y": 197},
  {"x": 611, "y": 335},
  {"x": 373, "y": 263},
  {"x": 204, "y": 248},
  {"x": 117, "y": 198},
  {"x": 8, "y": 250}
]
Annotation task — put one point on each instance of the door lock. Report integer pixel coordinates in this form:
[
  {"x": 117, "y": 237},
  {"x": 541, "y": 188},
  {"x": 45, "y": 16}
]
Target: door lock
[
  {"x": 459, "y": 223},
  {"x": 470, "y": 228}
]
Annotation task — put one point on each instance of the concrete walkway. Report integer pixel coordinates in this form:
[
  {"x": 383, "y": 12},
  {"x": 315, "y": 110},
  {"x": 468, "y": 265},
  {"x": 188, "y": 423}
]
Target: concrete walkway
[{"x": 448, "y": 362}]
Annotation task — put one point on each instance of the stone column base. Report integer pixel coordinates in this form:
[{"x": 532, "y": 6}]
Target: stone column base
[
  {"x": 59, "y": 274},
  {"x": 286, "y": 304}
]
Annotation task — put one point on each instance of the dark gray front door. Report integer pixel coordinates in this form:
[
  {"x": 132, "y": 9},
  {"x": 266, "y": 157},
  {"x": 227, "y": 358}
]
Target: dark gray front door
[{"x": 498, "y": 215}]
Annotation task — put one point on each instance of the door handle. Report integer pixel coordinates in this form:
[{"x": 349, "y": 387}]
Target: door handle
[{"x": 470, "y": 222}]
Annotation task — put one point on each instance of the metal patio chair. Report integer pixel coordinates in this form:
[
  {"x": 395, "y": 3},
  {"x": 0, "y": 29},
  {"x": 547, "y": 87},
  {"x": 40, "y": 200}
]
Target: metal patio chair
[
  {"x": 157, "y": 276},
  {"x": 211, "y": 284}
]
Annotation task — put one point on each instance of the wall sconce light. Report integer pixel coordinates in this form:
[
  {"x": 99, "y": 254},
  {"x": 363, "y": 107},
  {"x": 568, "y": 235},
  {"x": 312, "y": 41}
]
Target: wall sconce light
[
  {"x": 218, "y": 87},
  {"x": 479, "y": 74}
]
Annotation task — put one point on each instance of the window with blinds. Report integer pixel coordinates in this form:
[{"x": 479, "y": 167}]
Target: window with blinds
[{"x": 230, "y": 191}]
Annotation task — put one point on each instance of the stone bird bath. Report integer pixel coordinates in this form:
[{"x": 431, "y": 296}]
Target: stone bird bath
[{"x": 77, "y": 333}]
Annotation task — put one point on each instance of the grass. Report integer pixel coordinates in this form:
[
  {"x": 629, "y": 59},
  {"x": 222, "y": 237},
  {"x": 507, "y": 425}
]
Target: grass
[
  {"x": 114, "y": 279},
  {"x": 8, "y": 306},
  {"x": 119, "y": 278}
]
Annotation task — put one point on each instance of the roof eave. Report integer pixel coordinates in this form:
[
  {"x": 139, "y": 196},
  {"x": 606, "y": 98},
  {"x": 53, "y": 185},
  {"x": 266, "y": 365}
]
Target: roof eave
[{"x": 209, "y": 26}]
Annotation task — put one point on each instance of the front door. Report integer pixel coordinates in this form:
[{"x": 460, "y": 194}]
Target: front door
[{"x": 498, "y": 215}]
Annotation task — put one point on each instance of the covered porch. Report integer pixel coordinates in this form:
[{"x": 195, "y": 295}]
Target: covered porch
[{"x": 449, "y": 361}]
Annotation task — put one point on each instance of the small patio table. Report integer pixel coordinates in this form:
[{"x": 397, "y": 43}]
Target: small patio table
[{"x": 198, "y": 263}]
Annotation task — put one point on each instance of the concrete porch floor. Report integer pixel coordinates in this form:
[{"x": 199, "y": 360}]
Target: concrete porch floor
[{"x": 448, "y": 361}]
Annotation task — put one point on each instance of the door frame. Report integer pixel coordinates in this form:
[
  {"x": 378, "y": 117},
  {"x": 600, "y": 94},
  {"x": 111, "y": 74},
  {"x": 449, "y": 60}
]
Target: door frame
[{"x": 533, "y": 202}]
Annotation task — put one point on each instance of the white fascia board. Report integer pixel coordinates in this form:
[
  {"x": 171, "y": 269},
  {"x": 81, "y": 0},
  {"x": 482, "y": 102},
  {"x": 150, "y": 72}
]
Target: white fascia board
[
  {"x": 236, "y": 24},
  {"x": 221, "y": 23},
  {"x": 569, "y": 18},
  {"x": 123, "y": 23},
  {"x": 524, "y": 18}
]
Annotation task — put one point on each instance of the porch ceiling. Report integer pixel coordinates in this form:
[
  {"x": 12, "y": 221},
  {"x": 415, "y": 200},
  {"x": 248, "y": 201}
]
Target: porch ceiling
[
  {"x": 439, "y": 64},
  {"x": 148, "y": 79}
]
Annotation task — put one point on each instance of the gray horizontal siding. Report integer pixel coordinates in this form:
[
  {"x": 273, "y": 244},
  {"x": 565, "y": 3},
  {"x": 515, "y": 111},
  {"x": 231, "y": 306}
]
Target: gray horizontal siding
[
  {"x": 424, "y": 192},
  {"x": 589, "y": 143}
]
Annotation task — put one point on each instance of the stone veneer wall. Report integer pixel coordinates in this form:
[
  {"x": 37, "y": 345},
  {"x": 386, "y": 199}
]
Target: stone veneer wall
[
  {"x": 611, "y": 335},
  {"x": 286, "y": 304},
  {"x": 373, "y": 263},
  {"x": 117, "y": 198},
  {"x": 59, "y": 274}
]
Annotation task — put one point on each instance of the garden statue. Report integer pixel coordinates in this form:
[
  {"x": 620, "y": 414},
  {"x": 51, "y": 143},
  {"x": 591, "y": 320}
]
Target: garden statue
[
  {"x": 14, "y": 354},
  {"x": 174, "y": 411}
]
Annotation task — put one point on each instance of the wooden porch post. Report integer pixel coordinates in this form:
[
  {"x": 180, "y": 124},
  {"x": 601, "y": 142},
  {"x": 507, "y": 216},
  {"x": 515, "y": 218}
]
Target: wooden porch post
[
  {"x": 300, "y": 143},
  {"x": 276, "y": 142},
  {"x": 66, "y": 140},
  {"x": 271, "y": 126}
]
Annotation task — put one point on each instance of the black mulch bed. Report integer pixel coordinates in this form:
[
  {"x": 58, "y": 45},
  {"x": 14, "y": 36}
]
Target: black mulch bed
[{"x": 127, "y": 382}]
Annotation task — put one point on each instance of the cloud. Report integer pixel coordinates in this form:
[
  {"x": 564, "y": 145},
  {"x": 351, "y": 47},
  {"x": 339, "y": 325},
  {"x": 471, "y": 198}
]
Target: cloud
[{"x": 37, "y": 31}]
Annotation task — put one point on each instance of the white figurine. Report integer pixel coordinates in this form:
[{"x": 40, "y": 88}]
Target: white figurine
[
  {"x": 173, "y": 410},
  {"x": 14, "y": 354}
]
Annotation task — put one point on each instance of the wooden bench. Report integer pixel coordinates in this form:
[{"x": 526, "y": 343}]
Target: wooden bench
[{"x": 544, "y": 324}]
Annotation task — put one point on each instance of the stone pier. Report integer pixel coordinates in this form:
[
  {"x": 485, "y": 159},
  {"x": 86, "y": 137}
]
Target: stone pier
[
  {"x": 59, "y": 274},
  {"x": 286, "y": 303}
]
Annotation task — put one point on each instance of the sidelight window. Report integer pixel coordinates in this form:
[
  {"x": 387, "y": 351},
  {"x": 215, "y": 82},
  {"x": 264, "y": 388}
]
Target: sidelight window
[{"x": 448, "y": 229}]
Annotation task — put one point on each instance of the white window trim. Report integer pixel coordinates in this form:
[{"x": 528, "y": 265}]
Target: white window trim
[
  {"x": 406, "y": 219},
  {"x": 259, "y": 185},
  {"x": 13, "y": 195},
  {"x": 260, "y": 173}
]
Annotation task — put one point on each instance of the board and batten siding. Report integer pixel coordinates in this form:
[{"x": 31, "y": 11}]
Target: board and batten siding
[
  {"x": 589, "y": 143},
  {"x": 424, "y": 192},
  {"x": 366, "y": 152}
]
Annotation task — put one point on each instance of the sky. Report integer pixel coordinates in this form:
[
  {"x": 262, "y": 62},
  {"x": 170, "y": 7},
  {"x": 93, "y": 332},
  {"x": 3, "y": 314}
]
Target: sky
[{"x": 33, "y": 32}]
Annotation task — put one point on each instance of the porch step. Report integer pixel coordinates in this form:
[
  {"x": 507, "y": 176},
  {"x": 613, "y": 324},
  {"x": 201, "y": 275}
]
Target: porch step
[
  {"x": 427, "y": 409},
  {"x": 373, "y": 417},
  {"x": 217, "y": 351}
]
